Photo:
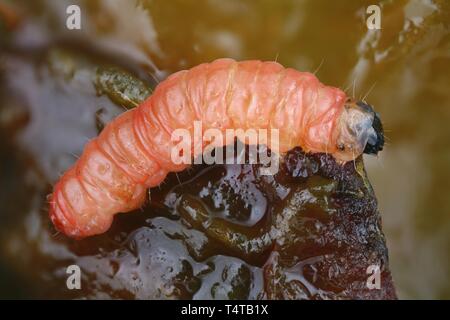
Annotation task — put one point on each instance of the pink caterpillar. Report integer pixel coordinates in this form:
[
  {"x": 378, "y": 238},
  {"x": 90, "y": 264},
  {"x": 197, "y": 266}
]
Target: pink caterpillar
[{"x": 133, "y": 152}]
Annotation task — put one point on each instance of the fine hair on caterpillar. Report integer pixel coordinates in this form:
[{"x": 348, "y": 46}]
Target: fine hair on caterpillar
[{"x": 256, "y": 102}]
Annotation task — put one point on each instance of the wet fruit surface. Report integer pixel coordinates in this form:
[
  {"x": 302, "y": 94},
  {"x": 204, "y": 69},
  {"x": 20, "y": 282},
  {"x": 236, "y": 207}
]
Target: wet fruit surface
[{"x": 221, "y": 231}]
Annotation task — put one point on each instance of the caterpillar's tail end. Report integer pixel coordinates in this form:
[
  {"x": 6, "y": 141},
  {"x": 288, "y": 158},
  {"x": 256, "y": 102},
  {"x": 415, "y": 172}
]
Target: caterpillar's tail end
[
  {"x": 77, "y": 226},
  {"x": 61, "y": 219}
]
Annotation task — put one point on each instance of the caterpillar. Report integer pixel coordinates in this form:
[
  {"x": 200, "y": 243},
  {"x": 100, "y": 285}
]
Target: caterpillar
[{"x": 133, "y": 152}]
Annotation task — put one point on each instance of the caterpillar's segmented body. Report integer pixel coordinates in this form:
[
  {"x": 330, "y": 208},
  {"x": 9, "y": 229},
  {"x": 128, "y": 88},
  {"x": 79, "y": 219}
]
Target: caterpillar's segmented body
[{"x": 133, "y": 152}]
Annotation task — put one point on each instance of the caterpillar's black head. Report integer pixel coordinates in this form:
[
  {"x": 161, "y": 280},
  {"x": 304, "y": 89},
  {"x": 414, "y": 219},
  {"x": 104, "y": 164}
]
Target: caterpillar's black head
[
  {"x": 375, "y": 141},
  {"x": 358, "y": 131}
]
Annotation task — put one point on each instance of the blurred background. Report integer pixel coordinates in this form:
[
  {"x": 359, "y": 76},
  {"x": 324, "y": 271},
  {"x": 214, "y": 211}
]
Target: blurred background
[{"x": 403, "y": 70}]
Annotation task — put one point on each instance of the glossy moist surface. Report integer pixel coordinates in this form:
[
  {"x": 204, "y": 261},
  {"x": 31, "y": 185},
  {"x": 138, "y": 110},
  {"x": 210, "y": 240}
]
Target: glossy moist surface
[
  {"x": 322, "y": 220},
  {"x": 309, "y": 232}
]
